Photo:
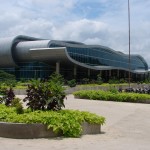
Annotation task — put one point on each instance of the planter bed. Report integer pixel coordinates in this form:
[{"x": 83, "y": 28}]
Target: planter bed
[{"x": 36, "y": 130}]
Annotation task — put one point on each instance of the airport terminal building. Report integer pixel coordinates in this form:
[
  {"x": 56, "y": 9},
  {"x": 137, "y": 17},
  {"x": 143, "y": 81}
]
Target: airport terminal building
[{"x": 29, "y": 57}]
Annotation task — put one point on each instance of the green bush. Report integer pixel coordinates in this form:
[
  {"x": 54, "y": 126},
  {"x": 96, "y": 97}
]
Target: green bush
[
  {"x": 8, "y": 79},
  {"x": 122, "y": 81},
  {"x": 99, "y": 79},
  {"x": 113, "y": 80},
  {"x": 85, "y": 80},
  {"x": 4, "y": 75},
  {"x": 72, "y": 83},
  {"x": 16, "y": 102},
  {"x": 7, "y": 95},
  {"x": 48, "y": 95},
  {"x": 113, "y": 96},
  {"x": 10, "y": 83},
  {"x": 3, "y": 89},
  {"x": 19, "y": 108},
  {"x": 66, "y": 121},
  {"x": 8, "y": 98},
  {"x": 113, "y": 89}
]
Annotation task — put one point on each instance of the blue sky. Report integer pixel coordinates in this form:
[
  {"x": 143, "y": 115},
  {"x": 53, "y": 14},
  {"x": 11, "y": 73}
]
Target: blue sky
[{"x": 102, "y": 22}]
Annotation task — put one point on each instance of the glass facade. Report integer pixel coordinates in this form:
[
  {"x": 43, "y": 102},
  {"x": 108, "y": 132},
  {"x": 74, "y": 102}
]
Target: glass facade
[
  {"x": 29, "y": 57},
  {"x": 101, "y": 56},
  {"x": 31, "y": 70}
]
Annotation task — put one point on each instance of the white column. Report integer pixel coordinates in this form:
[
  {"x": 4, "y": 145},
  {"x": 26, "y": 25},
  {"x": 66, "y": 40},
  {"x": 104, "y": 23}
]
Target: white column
[
  {"x": 100, "y": 72},
  {"x": 88, "y": 72},
  {"x": 57, "y": 67},
  {"x": 109, "y": 73},
  {"x": 75, "y": 71},
  {"x": 118, "y": 73}
]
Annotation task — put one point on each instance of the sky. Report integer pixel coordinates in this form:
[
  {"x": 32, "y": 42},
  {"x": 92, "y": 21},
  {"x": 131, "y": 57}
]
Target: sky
[{"x": 100, "y": 22}]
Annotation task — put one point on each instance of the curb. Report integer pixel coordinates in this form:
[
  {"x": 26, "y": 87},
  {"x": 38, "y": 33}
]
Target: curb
[{"x": 37, "y": 130}]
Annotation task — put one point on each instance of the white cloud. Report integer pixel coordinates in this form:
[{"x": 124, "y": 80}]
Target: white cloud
[
  {"x": 102, "y": 22},
  {"x": 38, "y": 28},
  {"x": 79, "y": 30}
]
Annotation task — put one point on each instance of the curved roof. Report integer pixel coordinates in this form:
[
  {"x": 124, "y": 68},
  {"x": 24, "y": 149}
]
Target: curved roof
[
  {"x": 15, "y": 50},
  {"x": 113, "y": 59},
  {"x": 7, "y": 48}
]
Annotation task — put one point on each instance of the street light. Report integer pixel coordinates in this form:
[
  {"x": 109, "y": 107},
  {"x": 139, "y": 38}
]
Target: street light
[{"x": 129, "y": 41}]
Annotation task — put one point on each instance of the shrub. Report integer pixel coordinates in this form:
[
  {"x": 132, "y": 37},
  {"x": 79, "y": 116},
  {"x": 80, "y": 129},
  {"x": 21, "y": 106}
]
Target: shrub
[
  {"x": 1, "y": 99},
  {"x": 99, "y": 79},
  {"x": 72, "y": 83},
  {"x": 113, "y": 80},
  {"x": 67, "y": 121},
  {"x": 47, "y": 95},
  {"x": 2, "y": 92},
  {"x": 19, "y": 108},
  {"x": 112, "y": 96},
  {"x": 85, "y": 80},
  {"x": 55, "y": 84},
  {"x": 4, "y": 75},
  {"x": 7, "y": 78},
  {"x": 10, "y": 83},
  {"x": 8, "y": 96},
  {"x": 123, "y": 81},
  {"x": 92, "y": 81},
  {"x": 113, "y": 89},
  {"x": 3, "y": 89},
  {"x": 16, "y": 102}
]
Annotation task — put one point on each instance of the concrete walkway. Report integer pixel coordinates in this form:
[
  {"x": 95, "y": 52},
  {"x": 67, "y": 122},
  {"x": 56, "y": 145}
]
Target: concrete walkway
[{"x": 127, "y": 128}]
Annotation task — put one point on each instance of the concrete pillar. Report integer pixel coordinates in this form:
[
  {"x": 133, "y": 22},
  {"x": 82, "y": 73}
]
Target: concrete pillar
[
  {"x": 100, "y": 72},
  {"x": 109, "y": 73},
  {"x": 148, "y": 75},
  {"x": 136, "y": 77},
  {"x": 143, "y": 77},
  {"x": 118, "y": 74},
  {"x": 35, "y": 74},
  {"x": 75, "y": 71},
  {"x": 125, "y": 74},
  {"x": 57, "y": 67},
  {"x": 88, "y": 72}
]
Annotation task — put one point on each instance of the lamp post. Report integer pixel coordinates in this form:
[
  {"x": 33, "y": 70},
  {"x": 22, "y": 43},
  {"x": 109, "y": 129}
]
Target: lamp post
[{"x": 129, "y": 41}]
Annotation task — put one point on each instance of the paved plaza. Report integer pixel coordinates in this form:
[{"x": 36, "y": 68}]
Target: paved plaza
[{"x": 127, "y": 128}]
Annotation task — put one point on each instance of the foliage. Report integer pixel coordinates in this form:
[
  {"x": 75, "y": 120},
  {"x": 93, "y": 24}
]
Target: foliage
[
  {"x": 122, "y": 81},
  {"x": 19, "y": 108},
  {"x": 57, "y": 78},
  {"x": 2, "y": 93},
  {"x": 72, "y": 83},
  {"x": 3, "y": 89},
  {"x": 99, "y": 79},
  {"x": 8, "y": 96},
  {"x": 10, "y": 83},
  {"x": 16, "y": 102},
  {"x": 4, "y": 75},
  {"x": 66, "y": 121},
  {"x": 110, "y": 96},
  {"x": 48, "y": 95},
  {"x": 113, "y": 89},
  {"x": 1, "y": 99},
  {"x": 113, "y": 80},
  {"x": 7, "y": 78},
  {"x": 85, "y": 80},
  {"x": 56, "y": 99},
  {"x": 92, "y": 81}
]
